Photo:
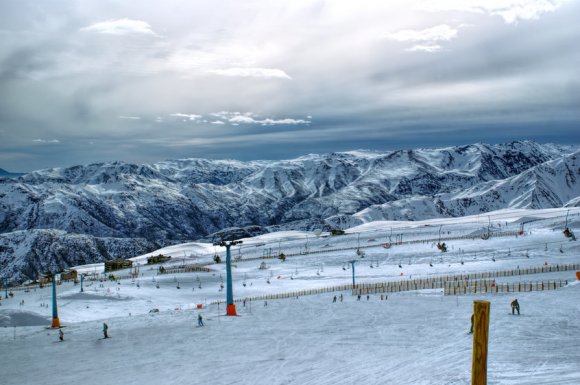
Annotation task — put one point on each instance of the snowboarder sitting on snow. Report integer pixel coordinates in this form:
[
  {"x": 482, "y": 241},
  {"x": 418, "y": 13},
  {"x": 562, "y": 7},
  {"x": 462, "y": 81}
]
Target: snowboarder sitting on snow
[
  {"x": 199, "y": 320},
  {"x": 105, "y": 330},
  {"x": 515, "y": 306}
]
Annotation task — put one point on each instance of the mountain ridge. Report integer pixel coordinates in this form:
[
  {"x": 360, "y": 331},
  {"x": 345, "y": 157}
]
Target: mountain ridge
[{"x": 182, "y": 200}]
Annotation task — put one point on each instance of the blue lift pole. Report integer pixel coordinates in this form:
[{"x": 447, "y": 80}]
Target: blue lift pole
[
  {"x": 352, "y": 263},
  {"x": 230, "y": 306},
  {"x": 55, "y": 320}
]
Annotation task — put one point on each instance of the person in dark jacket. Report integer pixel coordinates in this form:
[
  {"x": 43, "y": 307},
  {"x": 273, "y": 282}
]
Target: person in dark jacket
[
  {"x": 199, "y": 320},
  {"x": 515, "y": 306},
  {"x": 472, "y": 318},
  {"x": 105, "y": 330}
]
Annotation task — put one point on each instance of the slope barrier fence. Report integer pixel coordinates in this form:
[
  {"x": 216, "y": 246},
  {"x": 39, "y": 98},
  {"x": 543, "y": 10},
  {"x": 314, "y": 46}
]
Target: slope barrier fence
[
  {"x": 439, "y": 282},
  {"x": 490, "y": 286}
]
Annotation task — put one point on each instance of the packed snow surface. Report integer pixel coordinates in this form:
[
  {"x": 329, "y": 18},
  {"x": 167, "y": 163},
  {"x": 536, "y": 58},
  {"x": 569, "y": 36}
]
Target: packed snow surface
[{"x": 415, "y": 337}]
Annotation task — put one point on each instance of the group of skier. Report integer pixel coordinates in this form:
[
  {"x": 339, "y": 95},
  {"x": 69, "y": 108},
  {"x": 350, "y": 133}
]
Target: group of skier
[
  {"x": 105, "y": 332},
  {"x": 106, "y": 328}
]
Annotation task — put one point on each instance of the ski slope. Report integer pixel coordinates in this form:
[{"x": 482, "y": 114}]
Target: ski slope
[{"x": 416, "y": 337}]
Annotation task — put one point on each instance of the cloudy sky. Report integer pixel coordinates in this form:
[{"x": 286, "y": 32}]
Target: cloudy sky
[{"x": 141, "y": 81}]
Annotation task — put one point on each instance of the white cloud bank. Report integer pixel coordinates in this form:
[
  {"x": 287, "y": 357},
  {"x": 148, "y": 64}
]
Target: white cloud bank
[
  {"x": 121, "y": 27},
  {"x": 427, "y": 40},
  {"x": 267, "y": 73},
  {"x": 186, "y": 116},
  {"x": 237, "y": 118},
  {"x": 511, "y": 11}
]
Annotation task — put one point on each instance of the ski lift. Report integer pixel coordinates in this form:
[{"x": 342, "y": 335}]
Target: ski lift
[
  {"x": 157, "y": 286},
  {"x": 462, "y": 261},
  {"x": 567, "y": 232},
  {"x": 561, "y": 249},
  {"x": 344, "y": 266},
  {"x": 431, "y": 262},
  {"x": 178, "y": 285}
]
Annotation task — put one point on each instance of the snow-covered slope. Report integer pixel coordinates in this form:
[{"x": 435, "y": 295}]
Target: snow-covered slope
[
  {"x": 188, "y": 199},
  {"x": 417, "y": 337}
]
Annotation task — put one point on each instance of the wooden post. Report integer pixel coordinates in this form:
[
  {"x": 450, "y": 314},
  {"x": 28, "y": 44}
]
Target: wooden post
[{"x": 480, "y": 338}]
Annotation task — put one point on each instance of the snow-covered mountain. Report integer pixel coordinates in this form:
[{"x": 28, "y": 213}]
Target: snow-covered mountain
[
  {"x": 25, "y": 254},
  {"x": 173, "y": 201}
]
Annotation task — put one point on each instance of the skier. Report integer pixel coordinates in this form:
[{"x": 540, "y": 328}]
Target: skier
[
  {"x": 60, "y": 335},
  {"x": 515, "y": 306},
  {"x": 334, "y": 299},
  {"x": 105, "y": 330},
  {"x": 358, "y": 297},
  {"x": 341, "y": 297},
  {"x": 199, "y": 320},
  {"x": 472, "y": 318}
]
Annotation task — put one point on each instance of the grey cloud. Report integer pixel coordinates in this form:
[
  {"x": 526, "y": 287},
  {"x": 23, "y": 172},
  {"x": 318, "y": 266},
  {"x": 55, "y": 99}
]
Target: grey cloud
[{"x": 489, "y": 81}]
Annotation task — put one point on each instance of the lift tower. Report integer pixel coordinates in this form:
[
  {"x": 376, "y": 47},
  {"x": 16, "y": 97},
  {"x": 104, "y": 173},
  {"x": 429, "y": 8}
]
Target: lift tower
[{"x": 230, "y": 307}]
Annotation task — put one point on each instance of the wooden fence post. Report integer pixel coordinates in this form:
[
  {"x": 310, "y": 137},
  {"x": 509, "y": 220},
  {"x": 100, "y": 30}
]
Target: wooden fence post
[{"x": 480, "y": 338}]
